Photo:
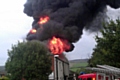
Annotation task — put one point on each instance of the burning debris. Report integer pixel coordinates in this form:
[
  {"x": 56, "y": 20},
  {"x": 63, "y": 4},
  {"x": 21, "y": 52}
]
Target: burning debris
[
  {"x": 43, "y": 20},
  {"x": 33, "y": 31},
  {"x": 64, "y": 20}
]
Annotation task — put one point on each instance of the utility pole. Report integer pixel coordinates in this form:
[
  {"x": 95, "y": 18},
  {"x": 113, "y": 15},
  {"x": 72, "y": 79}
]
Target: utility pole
[{"x": 56, "y": 67}]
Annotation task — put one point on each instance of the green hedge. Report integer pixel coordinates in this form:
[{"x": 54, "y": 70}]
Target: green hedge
[{"x": 4, "y": 78}]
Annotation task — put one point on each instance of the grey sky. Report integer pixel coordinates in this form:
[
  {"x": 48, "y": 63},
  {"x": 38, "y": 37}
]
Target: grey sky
[{"x": 14, "y": 25}]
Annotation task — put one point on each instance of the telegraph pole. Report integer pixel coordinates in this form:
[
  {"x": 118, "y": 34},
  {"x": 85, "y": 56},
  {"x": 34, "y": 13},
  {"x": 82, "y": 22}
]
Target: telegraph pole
[{"x": 56, "y": 67}]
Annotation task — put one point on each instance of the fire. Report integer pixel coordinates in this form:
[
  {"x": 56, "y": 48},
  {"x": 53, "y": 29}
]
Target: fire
[
  {"x": 58, "y": 46},
  {"x": 33, "y": 31},
  {"x": 43, "y": 20}
]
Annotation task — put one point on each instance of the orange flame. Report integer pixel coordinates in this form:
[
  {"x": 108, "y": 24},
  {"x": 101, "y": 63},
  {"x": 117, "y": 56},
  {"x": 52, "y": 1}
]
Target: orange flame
[
  {"x": 43, "y": 20},
  {"x": 58, "y": 46},
  {"x": 33, "y": 31}
]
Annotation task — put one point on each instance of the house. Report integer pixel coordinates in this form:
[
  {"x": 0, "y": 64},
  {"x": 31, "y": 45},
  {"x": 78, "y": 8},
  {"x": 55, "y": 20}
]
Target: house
[{"x": 2, "y": 71}]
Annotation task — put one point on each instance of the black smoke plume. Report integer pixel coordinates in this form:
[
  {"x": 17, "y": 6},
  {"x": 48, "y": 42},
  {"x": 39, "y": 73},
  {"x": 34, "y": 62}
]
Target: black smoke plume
[{"x": 68, "y": 18}]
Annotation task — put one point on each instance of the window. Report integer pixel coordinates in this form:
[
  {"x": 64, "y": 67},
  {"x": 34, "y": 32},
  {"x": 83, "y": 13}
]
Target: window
[
  {"x": 82, "y": 79},
  {"x": 89, "y": 78}
]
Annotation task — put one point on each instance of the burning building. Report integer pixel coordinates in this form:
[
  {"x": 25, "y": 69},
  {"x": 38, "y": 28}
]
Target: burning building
[{"x": 61, "y": 22}]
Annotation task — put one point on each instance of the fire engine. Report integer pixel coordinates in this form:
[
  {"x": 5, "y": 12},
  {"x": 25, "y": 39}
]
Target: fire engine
[
  {"x": 103, "y": 72},
  {"x": 94, "y": 76}
]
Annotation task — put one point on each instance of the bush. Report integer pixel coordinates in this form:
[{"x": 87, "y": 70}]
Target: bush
[{"x": 4, "y": 78}]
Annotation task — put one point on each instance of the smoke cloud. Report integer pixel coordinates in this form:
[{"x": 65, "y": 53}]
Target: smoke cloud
[{"x": 68, "y": 18}]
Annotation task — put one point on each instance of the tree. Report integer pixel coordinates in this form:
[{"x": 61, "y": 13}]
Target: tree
[
  {"x": 29, "y": 60},
  {"x": 107, "y": 49}
]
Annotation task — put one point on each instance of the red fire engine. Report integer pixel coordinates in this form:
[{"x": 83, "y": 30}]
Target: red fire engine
[
  {"x": 103, "y": 72},
  {"x": 93, "y": 76}
]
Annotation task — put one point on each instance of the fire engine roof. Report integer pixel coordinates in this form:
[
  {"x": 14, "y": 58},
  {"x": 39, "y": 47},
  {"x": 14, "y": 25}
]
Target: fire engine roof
[{"x": 106, "y": 69}]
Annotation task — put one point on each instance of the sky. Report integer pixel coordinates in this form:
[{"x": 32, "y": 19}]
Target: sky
[{"x": 14, "y": 25}]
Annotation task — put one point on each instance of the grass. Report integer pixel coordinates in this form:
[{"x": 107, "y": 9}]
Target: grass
[
  {"x": 77, "y": 66},
  {"x": 83, "y": 64}
]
